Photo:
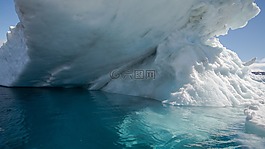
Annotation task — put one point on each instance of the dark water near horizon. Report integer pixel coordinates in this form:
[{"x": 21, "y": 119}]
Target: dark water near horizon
[{"x": 80, "y": 119}]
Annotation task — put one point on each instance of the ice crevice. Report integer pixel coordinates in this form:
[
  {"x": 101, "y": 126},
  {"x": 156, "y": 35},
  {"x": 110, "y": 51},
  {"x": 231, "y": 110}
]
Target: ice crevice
[{"x": 102, "y": 82}]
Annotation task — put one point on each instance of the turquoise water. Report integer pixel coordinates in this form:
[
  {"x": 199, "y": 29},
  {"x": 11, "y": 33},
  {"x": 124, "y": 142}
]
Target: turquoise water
[{"x": 81, "y": 119}]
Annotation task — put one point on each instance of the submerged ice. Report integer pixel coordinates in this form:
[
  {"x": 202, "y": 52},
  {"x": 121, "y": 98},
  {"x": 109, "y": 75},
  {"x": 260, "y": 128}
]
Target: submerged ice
[{"x": 80, "y": 43}]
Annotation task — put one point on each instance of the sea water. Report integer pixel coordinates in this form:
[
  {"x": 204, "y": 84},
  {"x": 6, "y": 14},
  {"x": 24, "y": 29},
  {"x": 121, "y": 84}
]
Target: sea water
[{"x": 80, "y": 119}]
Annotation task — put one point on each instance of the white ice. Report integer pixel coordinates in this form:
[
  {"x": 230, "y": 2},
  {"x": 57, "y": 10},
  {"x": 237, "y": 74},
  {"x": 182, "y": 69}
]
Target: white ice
[
  {"x": 79, "y": 43},
  {"x": 258, "y": 66}
]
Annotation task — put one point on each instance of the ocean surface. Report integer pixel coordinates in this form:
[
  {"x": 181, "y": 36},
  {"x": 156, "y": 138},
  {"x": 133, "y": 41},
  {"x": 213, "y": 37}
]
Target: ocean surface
[{"x": 80, "y": 119}]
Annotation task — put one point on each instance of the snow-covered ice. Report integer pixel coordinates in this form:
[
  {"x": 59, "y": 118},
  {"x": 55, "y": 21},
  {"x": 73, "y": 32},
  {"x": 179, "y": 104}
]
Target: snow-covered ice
[
  {"x": 63, "y": 43},
  {"x": 258, "y": 66},
  {"x": 255, "y": 121},
  {"x": 250, "y": 62},
  {"x": 13, "y": 55},
  {"x": 2, "y": 42}
]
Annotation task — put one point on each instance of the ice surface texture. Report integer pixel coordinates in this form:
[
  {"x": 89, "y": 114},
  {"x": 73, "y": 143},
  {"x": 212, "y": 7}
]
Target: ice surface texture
[{"x": 64, "y": 43}]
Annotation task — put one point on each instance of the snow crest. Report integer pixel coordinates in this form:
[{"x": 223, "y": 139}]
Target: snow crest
[{"x": 13, "y": 55}]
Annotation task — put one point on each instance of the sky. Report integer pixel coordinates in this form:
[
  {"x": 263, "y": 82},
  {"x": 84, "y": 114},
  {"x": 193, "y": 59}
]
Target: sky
[
  {"x": 8, "y": 17},
  {"x": 246, "y": 42}
]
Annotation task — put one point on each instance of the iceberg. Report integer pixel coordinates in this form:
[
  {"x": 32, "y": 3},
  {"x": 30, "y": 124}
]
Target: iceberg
[
  {"x": 83, "y": 43},
  {"x": 251, "y": 62}
]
